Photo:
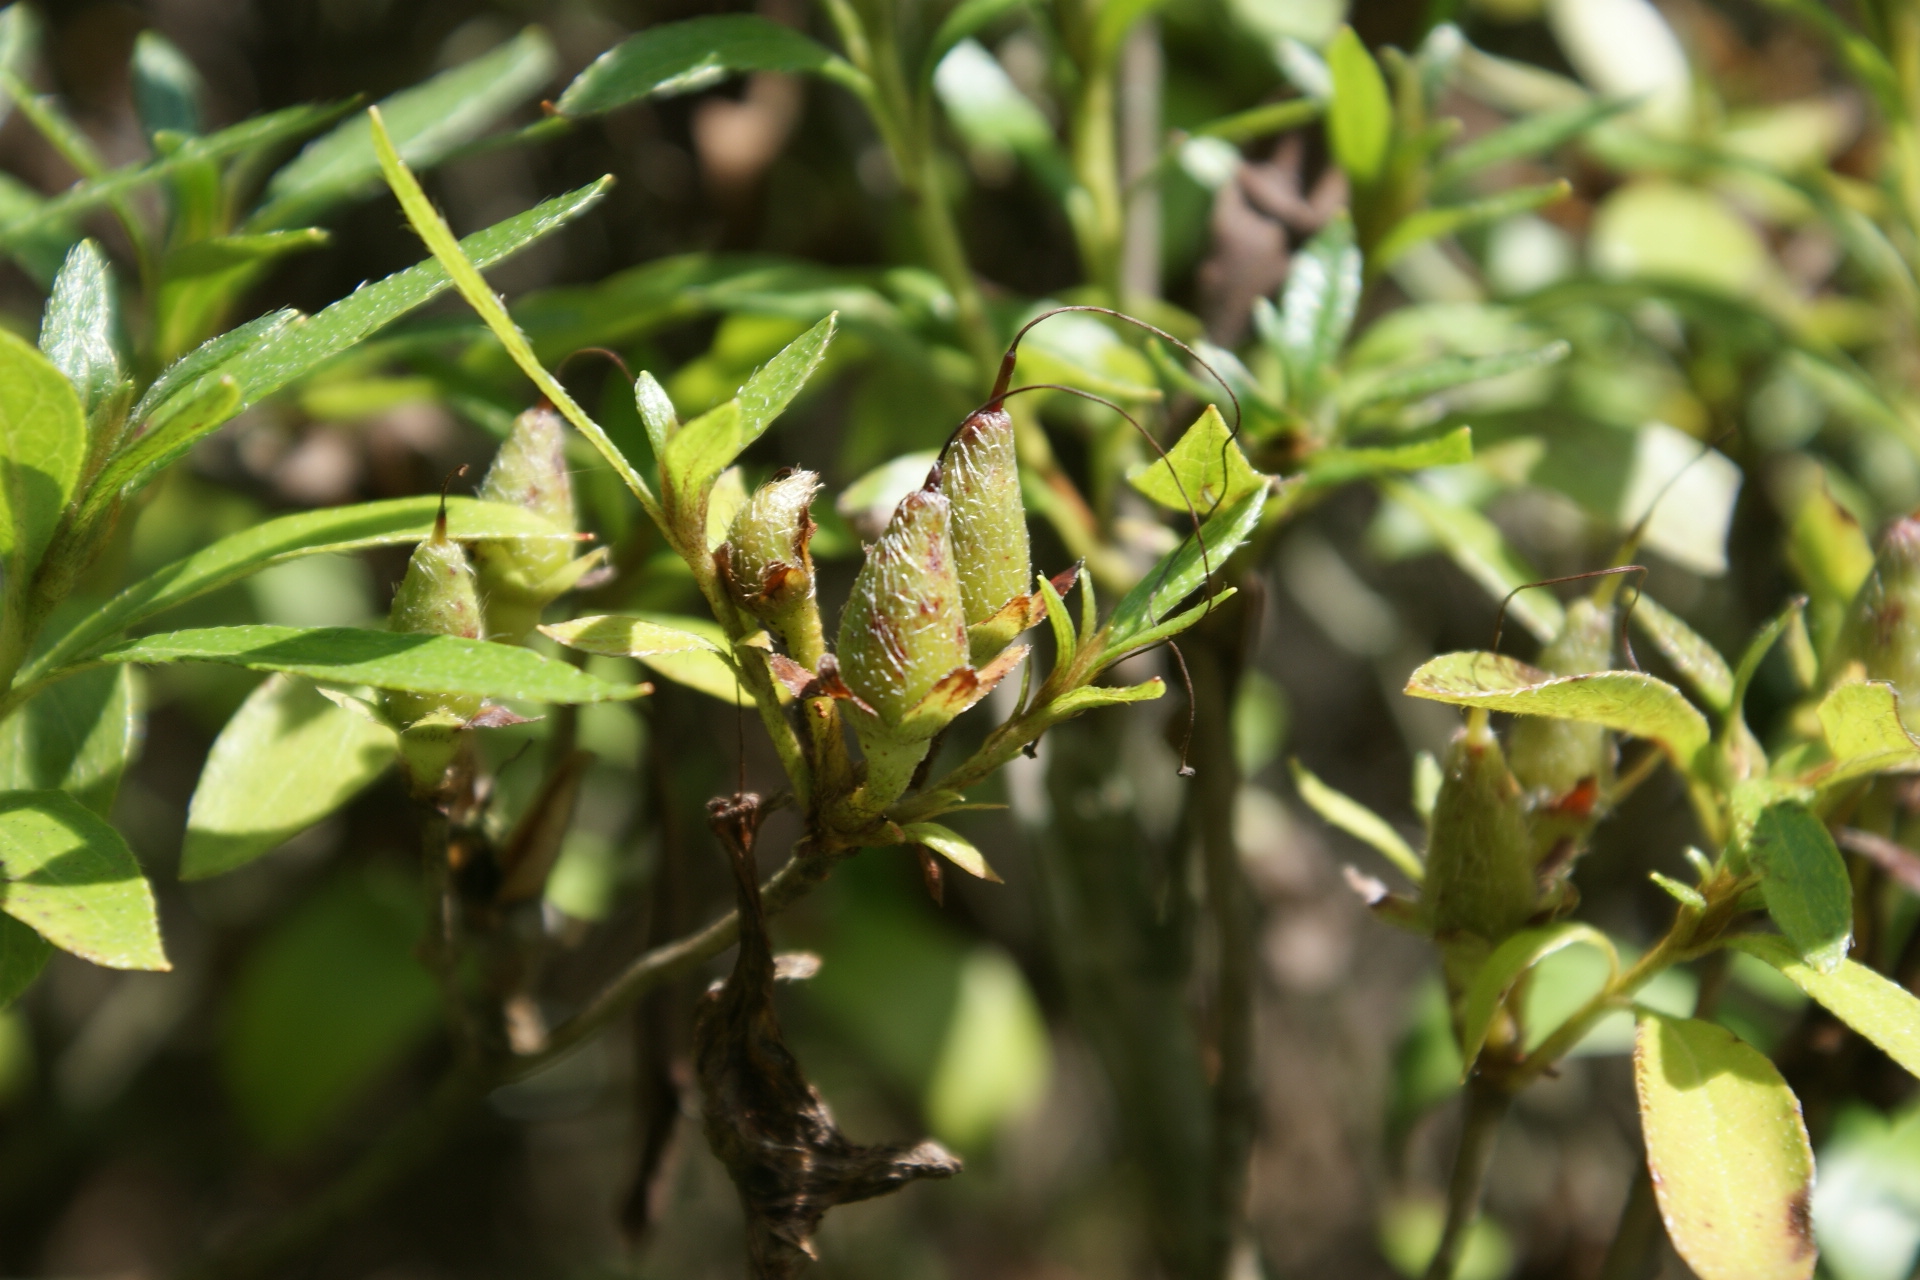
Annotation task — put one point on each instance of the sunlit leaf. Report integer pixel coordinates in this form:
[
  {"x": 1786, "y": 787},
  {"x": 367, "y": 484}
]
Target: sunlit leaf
[
  {"x": 43, "y": 436},
  {"x": 1628, "y": 701},
  {"x": 1430, "y": 224},
  {"x": 1530, "y": 136},
  {"x": 1883, "y": 1011},
  {"x": 77, "y": 331},
  {"x": 683, "y": 57},
  {"x": 952, "y": 846},
  {"x": 629, "y": 637},
  {"x": 1698, "y": 662},
  {"x": 1732, "y": 1167},
  {"x": 1358, "y": 821},
  {"x": 1317, "y": 309},
  {"x": 76, "y": 736},
  {"x": 1329, "y": 467},
  {"x": 167, "y": 91},
  {"x": 1443, "y": 374},
  {"x": 1808, "y": 892},
  {"x": 426, "y": 121},
  {"x": 1476, "y": 544},
  {"x": 1203, "y": 471},
  {"x": 1861, "y": 720},
  {"x": 412, "y": 663},
  {"x": 72, "y": 878},
  {"x": 1157, "y": 595},
  {"x": 287, "y": 759},
  {"x": 1504, "y": 967},
  {"x": 1360, "y": 121}
]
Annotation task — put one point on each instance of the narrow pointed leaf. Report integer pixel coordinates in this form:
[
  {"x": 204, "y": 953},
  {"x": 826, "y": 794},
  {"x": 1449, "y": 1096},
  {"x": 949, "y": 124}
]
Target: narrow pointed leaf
[
  {"x": 1531, "y": 136},
  {"x": 76, "y": 333},
  {"x": 1628, "y": 701},
  {"x": 1732, "y": 1167},
  {"x": 952, "y": 846},
  {"x": 1431, "y": 224},
  {"x": 1317, "y": 309},
  {"x": 629, "y": 637},
  {"x": 1176, "y": 577},
  {"x": 1476, "y": 544},
  {"x": 1360, "y": 121},
  {"x": 1698, "y": 662},
  {"x": 71, "y": 877},
  {"x": 1503, "y": 969},
  {"x": 682, "y": 57},
  {"x": 383, "y": 659},
  {"x": 426, "y": 121},
  {"x": 1358, "y": 821},
  {"x": 1329, "y": 467},
  {"x": 1444, "y": 374},
  {"x": 287, "y": 759}
]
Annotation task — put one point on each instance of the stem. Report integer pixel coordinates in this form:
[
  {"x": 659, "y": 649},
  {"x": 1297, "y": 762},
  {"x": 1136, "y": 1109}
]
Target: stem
[
  {"x": 1142, "y": 71},
  {"x": 1486, "y": 1107}
]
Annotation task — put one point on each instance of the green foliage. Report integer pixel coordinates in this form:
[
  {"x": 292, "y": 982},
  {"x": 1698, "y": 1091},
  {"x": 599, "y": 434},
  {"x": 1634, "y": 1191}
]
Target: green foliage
[{"x": 71, "y": 877}]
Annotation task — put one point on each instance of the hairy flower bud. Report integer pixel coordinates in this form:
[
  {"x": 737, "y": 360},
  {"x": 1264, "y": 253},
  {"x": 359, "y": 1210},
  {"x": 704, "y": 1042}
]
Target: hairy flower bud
[
  {"x": 981, "y": 479},
  {"x": 903, "y": 629},
  {"x": 1882, "y": 628},
  {"x": 437, "y": 597},
  {"x": 1480, "y": 878},
  {"x": 1553, "y": 757},
  {"x": 519, "y": 577},
  {"x": 768, "y": 567}
]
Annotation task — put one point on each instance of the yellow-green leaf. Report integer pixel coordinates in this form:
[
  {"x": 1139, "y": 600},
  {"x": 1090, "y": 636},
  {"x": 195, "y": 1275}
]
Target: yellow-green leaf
[
  {"x": 1864, "y": 733},
  {"x": 43, "y": 434},
  {"x": 70, "y": 876},
  {"x": 1882, "y": 1011},
  {"x": 1360, "y": 122},
  {"x": 1358, "y": 821},
  {"x": 1504, "y": 968},
  {"x": 1698, "y": 662},
  {"x": 1732, "y": 1167},
  {"x": 1204, "y": 470},
  {"x": 952, "y": 846},
  {"x": 1628, "y": 701}
]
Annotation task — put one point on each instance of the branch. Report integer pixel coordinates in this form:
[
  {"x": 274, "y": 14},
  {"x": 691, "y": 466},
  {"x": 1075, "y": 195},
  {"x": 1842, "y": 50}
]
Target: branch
[{"x": 1486, "y": 1107}]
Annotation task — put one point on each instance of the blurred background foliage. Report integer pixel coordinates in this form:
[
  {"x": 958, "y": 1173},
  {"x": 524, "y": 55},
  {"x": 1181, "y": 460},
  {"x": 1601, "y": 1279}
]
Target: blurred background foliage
[{"x": 1729, "y": 265}]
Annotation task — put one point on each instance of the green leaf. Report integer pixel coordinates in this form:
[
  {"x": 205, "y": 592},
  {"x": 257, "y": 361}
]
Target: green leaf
[
  {"x": 1531, "y": 136},
  {"x": 72, "y": 878},
  {"x": 208, "y": 404},
  {"x": 952, "y": 846},
  {"x": 708, "y": 445},
  {"x": 1329, "y": 467},
  {"x": 1360, "y": 121},
  {"x": 409, "y": 663},
  {"x": 1430, "y": 224},
  {"x": 323, "y": 1005},
  {"x": 683, "y": 57},
  {"x": 630, "y": 637},
  {"x": 287, "y": 759},
  {"x": 76, "y": 736},
  {"x": 1698, "y": 662},
  {"x": 23, "y": 954},
  {"x": 1504, "y": 968},
  {"x": 1317, "y": 309},
  {"x": 1476, "y": 544},
  {"x": 1864, "y": 732},
  {"x": 1079, "y": 701},
  {"x": 1732, "y": 1167},
  {"x": 656, "y": 411},
  {"x": 167, "y": 90},
  {"x": 1443, "y": 374},
  {"x": 255, "y": 135},
  {"x": 1628, "y": 701},
  {"x": 688, "y": 651},
  {"x": 1176, "y": 577},
  {"x": 426, "y": 122},
  {"x": 292, "y": 350},
  {"x": 209, "y": 355},
  {"x": 1804, "y": 878},
  {"x": 463, "y": 268},
  {"x": 201, "y": 280},
  {"x": 1884, "y": 1012},
  {"x": 77, "y": 331},
  {"x": 43, "y": 437},
  {"x": 1262, "y": 121},
  {"x": 1830, "y": 554},
  {"x": 962, "y": 21},
  {"x": 395, "y": 522},
  {"x": 1204, "y": 470},
  {"x": 1358, "y": 821}
]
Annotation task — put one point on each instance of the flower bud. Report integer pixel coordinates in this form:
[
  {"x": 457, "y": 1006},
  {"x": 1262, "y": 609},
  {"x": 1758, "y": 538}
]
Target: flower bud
[
  {"x": 1479, "y": 877},
  {"x": 519, "y": 577},
  {"x": 437, "y": 597},
  {"x": 902, "y": 629},
  {"x": 768, "y": 567},
  {"x": 981, "y": 480},
  {"x": 1553, "y": 757},
  {"x": 1882, "y": 628}
]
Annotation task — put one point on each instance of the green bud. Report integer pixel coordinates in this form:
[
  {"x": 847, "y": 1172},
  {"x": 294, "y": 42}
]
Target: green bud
[
  {"x": 1553, "y": 757},
  {"x": 768, "y": 566},
  {"x": 437, "y": 597},
  {"x": 902, "y": 629},
  {"x": 519, "y": 577},
  {"x": 1480, "y": 878},
  {"x": 1882, "y": 628},
  {"x": 981, "y": 480}
]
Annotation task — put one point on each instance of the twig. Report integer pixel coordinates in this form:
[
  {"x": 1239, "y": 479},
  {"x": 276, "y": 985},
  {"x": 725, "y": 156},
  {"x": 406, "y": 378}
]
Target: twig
[{"x": 1486, "y": 1108}]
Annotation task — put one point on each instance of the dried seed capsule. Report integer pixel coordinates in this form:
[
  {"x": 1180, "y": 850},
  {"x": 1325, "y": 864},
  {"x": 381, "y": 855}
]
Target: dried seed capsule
[
  {"x": 437, "y": 597},
  {"x": 903, "y": 629},
  {"x": 1480, "y": 878},
  {"x": 519, "y": 577},
  {"x": 981, "y": 479},
  {"x": 1882, "y": 628},
  {"x": 768, "y": 566}
]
